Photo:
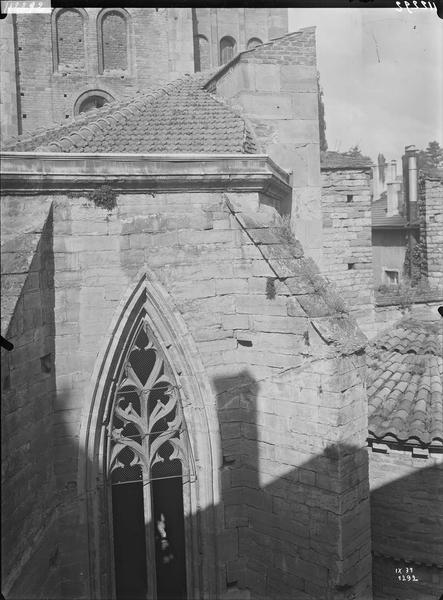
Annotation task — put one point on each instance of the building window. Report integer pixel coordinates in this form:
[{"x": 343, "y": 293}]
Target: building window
[
  {"x": 68, "y": 39},
  {"x": 228, "y": 48},
  {"x": 253, "y": 43},
  {"x": 148, "y": 463},
  {"x": 201, "y": 51},
  {"x": 391, "y": 276},
  {"x": 349, "y": 197},
  {"x": 90, "y": 100},
  {"x": 113, "y": 38}
]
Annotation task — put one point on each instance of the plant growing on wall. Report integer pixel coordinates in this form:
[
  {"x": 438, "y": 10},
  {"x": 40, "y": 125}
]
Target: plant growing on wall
[
  {"x": 414, "y": 264},
  {"x": 104, "y": 197}
]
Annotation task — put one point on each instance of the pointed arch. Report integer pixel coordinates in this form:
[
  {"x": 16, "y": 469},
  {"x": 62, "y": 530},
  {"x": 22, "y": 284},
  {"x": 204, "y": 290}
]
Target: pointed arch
[{"x": 150, "y": 302}]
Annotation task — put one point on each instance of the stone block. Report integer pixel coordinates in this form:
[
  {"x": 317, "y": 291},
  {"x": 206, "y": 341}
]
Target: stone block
[
  {"x": 298, "y": 78},
  {"x": 272, "y": 105}
]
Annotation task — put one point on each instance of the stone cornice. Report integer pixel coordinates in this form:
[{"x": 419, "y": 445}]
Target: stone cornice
[{"x": 32, "y": 172}]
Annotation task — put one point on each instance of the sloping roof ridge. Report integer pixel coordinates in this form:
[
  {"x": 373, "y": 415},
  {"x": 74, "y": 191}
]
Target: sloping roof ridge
[{"x": 223, "y": 68}]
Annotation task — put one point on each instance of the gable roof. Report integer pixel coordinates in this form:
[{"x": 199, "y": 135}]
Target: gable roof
[
  {"x": 179, "y": 117},
  {"x": 405, "y": 371},
  {"x": 340, "y": 160}
]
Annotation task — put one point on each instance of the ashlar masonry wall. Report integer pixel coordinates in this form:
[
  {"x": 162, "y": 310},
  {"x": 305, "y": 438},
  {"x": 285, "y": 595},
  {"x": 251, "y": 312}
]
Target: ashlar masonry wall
[
  {"x": 287, "y": 411},
  {"x": 275, "y": 87},
  {"x": 29, "y": 429},
  {"x": 346, "y": 211},
  {"x": 407, "y": 521}
]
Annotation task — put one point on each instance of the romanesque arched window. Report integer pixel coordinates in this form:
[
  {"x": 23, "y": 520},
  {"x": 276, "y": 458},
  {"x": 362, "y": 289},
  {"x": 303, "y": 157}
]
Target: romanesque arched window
[
  {"x": 112, "y": 30},
  {"x": 68, "y": 38},
  {"x": 149, "y": 460},
  {"x": 228, "y": 48},
  {"x": 202, "y": 58},
  {"x": 90, "y": 100},
  {"x": 253, "y": 42}
]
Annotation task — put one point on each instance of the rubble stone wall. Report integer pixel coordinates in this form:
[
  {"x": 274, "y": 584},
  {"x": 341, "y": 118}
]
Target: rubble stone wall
[
  {"x": 431, "y": 231},
  {"x": 346, "y": 209}
]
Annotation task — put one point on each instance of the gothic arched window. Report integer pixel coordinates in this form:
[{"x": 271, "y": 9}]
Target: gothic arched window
[
  {"x": 202, "y": 58},
  {"x": 68, "y": 39},
  {"x": 253, "y": 42},
  {"x": 113, "y": 39},
  {"x": 149, "y": 459},
  {"x": 227, "y": 49}
]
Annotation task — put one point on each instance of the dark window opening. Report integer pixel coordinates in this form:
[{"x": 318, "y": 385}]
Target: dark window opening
[
  {"x": 7, "y": 382},
  {"x": 46, "y": 363},
  {"x": 169, "y": 539},
  {"x": 349, "y": 197},
  {"x": 227, "y": 49},
  {"x": 253, "y": 43},
  {"x": 391, "y": 277},
  {"x": 147, "y": 478},
  {"x": 92, "y": 102},
  {"x": 24, "y": 116},
  {"x": 129, "y": 541},
  {"x": 246, "y": 343},
  {"x": 351, "y": 266}
]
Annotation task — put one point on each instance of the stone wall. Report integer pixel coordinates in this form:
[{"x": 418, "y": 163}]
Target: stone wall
[
  {"x": 431, "y": 229},
  {"x": 160, "y": 48},
  {"x": 8, "y": 90},
  {"x": 406, "y": 523},
  {"x": 346, "y": 209},
  {"x": 275, "y": 88},
  {"x": 289, "y": 410},
  {"x": 29, "y": 495}
]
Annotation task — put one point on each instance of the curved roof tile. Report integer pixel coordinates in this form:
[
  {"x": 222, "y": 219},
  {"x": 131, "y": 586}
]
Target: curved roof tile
[
  {"x": 405, "y": 389},
  {"x": 181, "y": 116}
]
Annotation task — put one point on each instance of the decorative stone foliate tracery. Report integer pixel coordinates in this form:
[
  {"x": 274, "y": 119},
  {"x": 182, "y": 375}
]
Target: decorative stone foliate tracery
[{"x": 148, "y": 434}]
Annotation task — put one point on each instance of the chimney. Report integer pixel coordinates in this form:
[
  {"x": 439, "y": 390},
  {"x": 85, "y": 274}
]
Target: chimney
[{"x": 393, "y": 170}]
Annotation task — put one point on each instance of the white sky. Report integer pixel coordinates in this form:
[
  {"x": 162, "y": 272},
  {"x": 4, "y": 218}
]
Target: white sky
[{"x": 382, "y": 76}]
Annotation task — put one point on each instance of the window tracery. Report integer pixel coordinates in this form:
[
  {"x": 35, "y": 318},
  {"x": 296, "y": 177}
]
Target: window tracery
[{"x": 149, "y": 439}]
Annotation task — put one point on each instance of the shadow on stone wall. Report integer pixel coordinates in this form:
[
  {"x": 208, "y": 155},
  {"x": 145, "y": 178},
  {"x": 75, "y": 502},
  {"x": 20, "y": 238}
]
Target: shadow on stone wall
[{"x": 281, "y": 525}]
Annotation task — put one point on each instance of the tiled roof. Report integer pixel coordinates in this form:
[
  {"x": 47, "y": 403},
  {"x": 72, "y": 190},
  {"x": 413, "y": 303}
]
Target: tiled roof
[
  {"x": 179, "y": 117},
  {"x": 379, "y": 218},
  {"x": 405, "y": 371},
  {"x": 339, "y": 160}
]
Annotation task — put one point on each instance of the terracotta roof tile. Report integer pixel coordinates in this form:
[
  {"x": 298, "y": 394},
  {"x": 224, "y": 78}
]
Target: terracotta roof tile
[
  {"x": 405, "y": 371},
  {"x": 180, "y": 117}
]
